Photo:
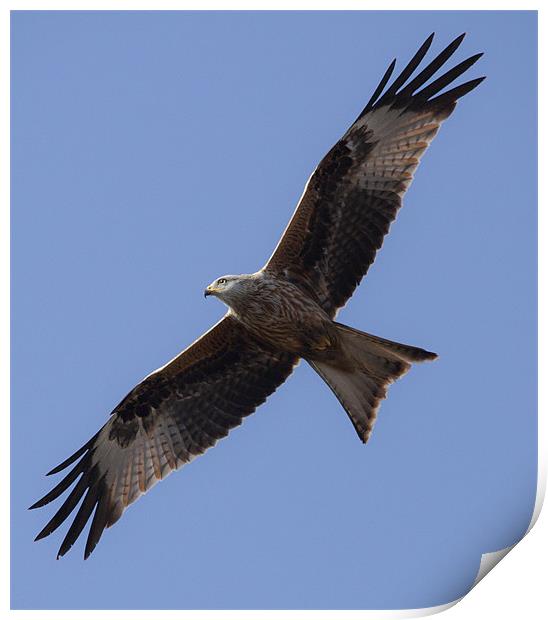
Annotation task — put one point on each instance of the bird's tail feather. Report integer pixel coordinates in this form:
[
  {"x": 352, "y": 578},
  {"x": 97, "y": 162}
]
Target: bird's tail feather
[{"x": 360, "y": 376}]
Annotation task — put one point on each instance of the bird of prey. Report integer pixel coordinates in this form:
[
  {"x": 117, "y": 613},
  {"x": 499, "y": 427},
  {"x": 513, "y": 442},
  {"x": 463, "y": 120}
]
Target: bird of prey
[{"x": 278, "y": 315}]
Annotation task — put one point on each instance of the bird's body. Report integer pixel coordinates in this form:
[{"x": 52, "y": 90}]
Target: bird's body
[
  {"x": 282, "y": 313},
  {"x": 279, "y": 314}
]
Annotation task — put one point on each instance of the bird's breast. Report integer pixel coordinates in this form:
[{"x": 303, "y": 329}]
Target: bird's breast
[{"x": 287, "y": 319}]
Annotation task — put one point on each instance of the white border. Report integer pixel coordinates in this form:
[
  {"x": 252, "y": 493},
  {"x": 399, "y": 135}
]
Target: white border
[
  {"x": 264, "y": 5},
  {"x": 519, "y": 581},
  {"x": 5, "y": 310}
]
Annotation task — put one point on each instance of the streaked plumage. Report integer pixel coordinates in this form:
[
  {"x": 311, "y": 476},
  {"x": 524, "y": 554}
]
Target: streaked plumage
[{"x": 277, "y": 315}]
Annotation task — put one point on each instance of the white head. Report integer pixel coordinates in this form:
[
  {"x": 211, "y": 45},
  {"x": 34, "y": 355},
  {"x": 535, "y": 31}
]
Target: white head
[{"x": 227, "y": 288}]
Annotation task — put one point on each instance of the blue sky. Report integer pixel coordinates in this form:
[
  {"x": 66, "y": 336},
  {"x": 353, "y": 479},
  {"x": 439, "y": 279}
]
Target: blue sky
[{"x": 152, "y": 152}]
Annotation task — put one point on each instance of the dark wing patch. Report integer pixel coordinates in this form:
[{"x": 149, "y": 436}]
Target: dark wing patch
[
  {"x": 355, "y": 193},
  {"x": 172, "y": 416}
]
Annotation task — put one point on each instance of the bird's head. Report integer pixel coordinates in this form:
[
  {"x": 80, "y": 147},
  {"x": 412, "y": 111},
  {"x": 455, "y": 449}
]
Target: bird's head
[{"x": 225, "y": 288}]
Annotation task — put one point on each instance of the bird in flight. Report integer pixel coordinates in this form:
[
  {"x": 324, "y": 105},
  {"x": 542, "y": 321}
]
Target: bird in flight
[{"x": 282, "y": 313}]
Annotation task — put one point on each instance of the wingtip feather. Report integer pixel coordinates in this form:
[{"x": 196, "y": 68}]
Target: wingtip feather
[
  {"x": 44, "y": 533},
  {"x": 428, "y": 41}
]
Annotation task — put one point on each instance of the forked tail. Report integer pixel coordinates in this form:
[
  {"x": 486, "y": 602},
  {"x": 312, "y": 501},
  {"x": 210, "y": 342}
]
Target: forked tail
[{"x": 360, "y": 377}]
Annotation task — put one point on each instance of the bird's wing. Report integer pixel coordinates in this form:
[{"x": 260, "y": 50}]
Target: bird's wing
[
  {"x": 354, "y": 194},
  {"x": 172, "y": 416}
]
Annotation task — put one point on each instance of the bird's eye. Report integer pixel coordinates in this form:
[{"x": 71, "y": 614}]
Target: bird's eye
[{"x": 221, "y": 281}]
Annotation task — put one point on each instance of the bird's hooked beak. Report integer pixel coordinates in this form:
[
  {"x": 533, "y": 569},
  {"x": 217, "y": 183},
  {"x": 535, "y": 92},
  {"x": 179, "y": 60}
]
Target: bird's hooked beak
[{"x": 208, "y": 291}]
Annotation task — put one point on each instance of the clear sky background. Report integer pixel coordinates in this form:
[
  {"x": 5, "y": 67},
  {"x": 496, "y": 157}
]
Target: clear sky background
[{"x": 152, "y": 152}]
